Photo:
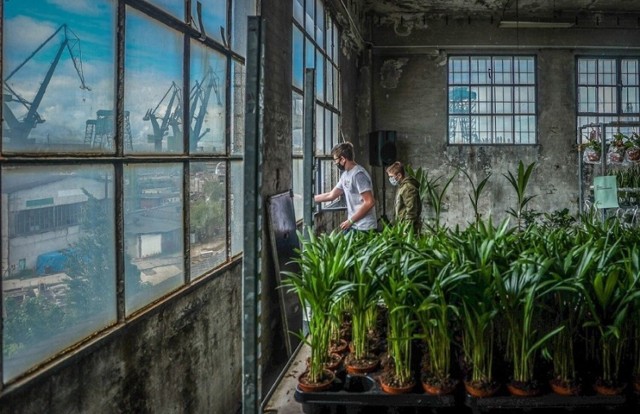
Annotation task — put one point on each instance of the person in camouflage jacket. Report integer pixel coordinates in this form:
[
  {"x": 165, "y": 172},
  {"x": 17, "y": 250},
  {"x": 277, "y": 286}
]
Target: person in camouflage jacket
[{"x": 408, "y": 206}]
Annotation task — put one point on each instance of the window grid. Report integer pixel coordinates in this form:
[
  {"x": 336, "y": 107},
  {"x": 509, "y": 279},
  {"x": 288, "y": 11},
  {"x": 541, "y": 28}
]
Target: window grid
[
  {"x": 492, "y": 100},
  {"x": 161, "y": 192},
  {"x": 608, "y": 91},
  {"x": 321, "y": 51}
]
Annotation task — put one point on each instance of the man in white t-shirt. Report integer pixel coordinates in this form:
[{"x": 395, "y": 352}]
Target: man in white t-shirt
[{"x": 355, "y": 184}]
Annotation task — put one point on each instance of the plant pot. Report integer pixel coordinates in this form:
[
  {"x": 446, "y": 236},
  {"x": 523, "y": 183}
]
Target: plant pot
[
  {"x": 334, "y": 362},
  {"x": 523, "y": 389},
  {"x": 592, "y": 156},
  {"x": 438, "y": 387},
  {"x": 616, "y": 157},
  {"x": 339, "y": 347},
  {"x": 362, "y": 365},
  {"x": 324, "y": 384},
  {"x": 607, "y": 388},
  {"x": 389, "y": 385},
  {"x": 567, "y": 388},
  {"x": 633, "y": 154},
  {"x": 481, "y": 389}
]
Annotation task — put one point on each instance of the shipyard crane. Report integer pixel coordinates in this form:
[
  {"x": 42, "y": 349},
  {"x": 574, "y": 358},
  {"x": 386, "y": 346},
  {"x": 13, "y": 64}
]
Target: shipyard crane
[
  {"x": 19, "y": 129},
  {"x": 172, "y": 112},
  {"x": 199, "y": 97}
]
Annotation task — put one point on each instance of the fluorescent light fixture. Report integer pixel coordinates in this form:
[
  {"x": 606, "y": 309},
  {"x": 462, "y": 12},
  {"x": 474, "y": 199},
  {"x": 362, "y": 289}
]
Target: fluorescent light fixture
[{"x": 515, "y": 24}]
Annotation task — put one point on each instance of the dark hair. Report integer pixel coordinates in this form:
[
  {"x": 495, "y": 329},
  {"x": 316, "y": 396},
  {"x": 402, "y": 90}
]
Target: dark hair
[
  {"x": 396, "y": 168},
  {"x": 344, "y": 149}
]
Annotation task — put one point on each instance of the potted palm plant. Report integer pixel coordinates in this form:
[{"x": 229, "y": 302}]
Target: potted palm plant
[
  {"x": 612, "y": 290},
  {"x": 323, "y": 261},
  {"x": 435, "y": 311},
  {"x": 480, "y": 251},
  {"x": 362, "y": 294},
  {"x": 522, "y": 292},
  {"x": 397, "y": 292}
]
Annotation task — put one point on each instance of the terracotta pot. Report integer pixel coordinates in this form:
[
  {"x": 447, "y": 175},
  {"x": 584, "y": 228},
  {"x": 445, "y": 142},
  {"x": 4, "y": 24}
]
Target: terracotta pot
[
  {"x": 327, "y": 381},
  {"x": 564, "y": 388},
  {"x": 608, "y": 389},
  {"x": 362, "y": 366},
  {"x": 439, "y": 389},
  {"x": 519, "y": 389},
  {"x": 334, "y": 362},
  {"x": 339, "y": 348},
  {"x": 481, "y": 389},
  {"x": 392, "y": 389}
]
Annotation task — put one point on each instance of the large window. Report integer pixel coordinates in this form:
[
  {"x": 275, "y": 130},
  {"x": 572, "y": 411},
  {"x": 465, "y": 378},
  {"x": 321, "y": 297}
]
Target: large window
[
  {"x": 158, "y": 173},
  {"x": 492, "y": 100},
  {"x": 608, "y": 90},
  {"x": 315, "y": 44}
]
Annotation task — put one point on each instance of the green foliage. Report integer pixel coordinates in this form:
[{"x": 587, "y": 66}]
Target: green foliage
[
  {"x": 519, "y": 184},
  {"x": 476, "y": 192}
]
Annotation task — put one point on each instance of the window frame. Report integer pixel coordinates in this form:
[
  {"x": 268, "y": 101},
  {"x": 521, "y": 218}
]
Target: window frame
[
  {"x": 119, "y": 158},
  {"x": 493, "y": 115}
]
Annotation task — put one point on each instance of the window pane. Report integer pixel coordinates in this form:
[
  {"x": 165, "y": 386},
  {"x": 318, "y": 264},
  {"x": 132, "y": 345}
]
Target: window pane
[
  {"x": 319, "y": 76},
  {"x": 525, "y": 130},
  {"x": 330, "y": 86},
  {"x": 320, "y": 24},
  {"x": 607, "y": 99},
  {"x": 297, "y": 184},
  {"x": 503, "y": 130},
  {"x": 481, "y": 130},
  {"x": 153, "y": 233},
  {"x": 630, "y": 100},
  {"x": 630, "y": 72},
  {"x": 502, "y": 100},
  {"x": 524, "y": 70},
  {"x": 320, "y": 137},
  {"x": 310, "y": 54},
  {"x": 207, "y": 99},
  {"x": 310, "y": 17},
  {"x": 173, "y": 7},
  {"x": 607, "y": 72},
  {"x": 336, "y": 44},
  {"x": 483, "y": 100},
  {"x": 297, "y": 123},
  {"x": 50, "y": 104},
  {"x": 241, "y": 10},
  {"x": 297, "y": 56},
  {"x": 480, "y": 70},
  {"x": 502, "y": 70},
  {"x": 298, "y": 11},
  {"x": 214, "y": 17},
  {"x": 236, "y": 206},
  {"x": 458, "y": 70},
  {"x": 586, "y": 99},
  {"x": 208, "y": 215},
  {"x": 153, "y": 86},
  {"x": 328, "y": 131},
  {"x": 524, "y": 99},
  {"x": 336, "y": 127},
  {"x": 59, "y": 232},
  {"x": 237, "y": 106}
]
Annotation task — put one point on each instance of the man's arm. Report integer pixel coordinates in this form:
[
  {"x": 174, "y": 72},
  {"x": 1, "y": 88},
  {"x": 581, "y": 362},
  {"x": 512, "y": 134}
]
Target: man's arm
[{"x": 329, "y": 196}]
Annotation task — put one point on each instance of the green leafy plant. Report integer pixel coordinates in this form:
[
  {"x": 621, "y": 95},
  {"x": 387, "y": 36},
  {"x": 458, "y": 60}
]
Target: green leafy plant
[
  {"x": 397, "y": 292},
  {"x": 435, "y": 194},
  {"x": 323, "y": 261},
  {"x": 476, "y": 192},
  {"x": 521, "y": 293},
  {"x": 519, "y": 184},
  {"x": 436, "y": 284}
]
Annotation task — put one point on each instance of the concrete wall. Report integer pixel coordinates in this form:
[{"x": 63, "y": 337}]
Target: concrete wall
[
  {"x": 180, "y": 357},
  {"x": 409, "y": 80}
]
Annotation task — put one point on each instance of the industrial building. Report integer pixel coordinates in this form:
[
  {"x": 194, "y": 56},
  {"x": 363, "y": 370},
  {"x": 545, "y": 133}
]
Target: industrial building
[{"x": 151, "y": 150}]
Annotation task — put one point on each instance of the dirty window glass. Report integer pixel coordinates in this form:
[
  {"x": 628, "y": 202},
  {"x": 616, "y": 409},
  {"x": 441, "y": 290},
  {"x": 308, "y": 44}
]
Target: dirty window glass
[
  {"x": 57, "y": 63},
  {"x": 153, "y": 232},
  {"x": 214, "y": 18},
  {"x": 492, "y": 100},
  {"x": 207, "y": 100},
  {"x": 58, "y": 283},
  {"x": 207, "y": 204},
  {"x": 153, "y": 87}
]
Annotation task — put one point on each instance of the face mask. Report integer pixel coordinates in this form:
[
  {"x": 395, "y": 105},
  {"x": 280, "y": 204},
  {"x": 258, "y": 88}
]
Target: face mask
[
  {"x": 393, "y": 181},
  {"x": 340, "y": 167}
]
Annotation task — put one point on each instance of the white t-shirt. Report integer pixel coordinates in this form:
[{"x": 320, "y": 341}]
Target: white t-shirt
[{"x": 353, "y": 183}]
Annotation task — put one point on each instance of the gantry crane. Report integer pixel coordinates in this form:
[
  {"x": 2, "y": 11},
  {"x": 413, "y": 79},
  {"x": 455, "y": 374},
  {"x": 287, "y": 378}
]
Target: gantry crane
[
  {"x": 19, "y": 129},
  {"x": 199, "y": 96}
]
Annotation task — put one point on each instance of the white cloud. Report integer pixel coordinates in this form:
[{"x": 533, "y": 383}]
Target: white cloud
[{"x": 84, "y": 7}]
